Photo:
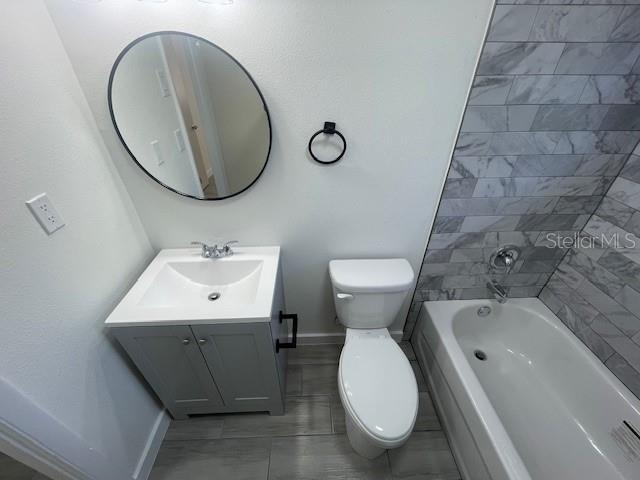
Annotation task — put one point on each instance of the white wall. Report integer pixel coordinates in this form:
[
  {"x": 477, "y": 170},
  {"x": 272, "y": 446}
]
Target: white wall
[
  {"x": 241, "y": 121},
  {"x": 56, "y": 291},
  {"x": 393, "y": 74}
]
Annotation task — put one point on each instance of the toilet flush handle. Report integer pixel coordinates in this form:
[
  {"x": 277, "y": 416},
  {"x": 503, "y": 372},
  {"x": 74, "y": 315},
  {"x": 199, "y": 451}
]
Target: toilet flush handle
[{"x": 344, "y": 296}]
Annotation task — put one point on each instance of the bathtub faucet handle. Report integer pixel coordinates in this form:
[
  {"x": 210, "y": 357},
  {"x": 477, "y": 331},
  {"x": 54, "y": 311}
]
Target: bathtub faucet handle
[{"x": 505, "y": 257}]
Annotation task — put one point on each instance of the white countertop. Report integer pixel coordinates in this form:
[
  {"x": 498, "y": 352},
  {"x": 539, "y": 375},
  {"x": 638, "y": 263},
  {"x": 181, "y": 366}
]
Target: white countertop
[{"x": 174, "y": 289}]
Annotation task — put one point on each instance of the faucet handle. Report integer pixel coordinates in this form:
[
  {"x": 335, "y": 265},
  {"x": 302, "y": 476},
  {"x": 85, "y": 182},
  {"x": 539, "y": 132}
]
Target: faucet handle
[
  {"x": 227, "y": 246},
  {"x": 206, "y": 249}
]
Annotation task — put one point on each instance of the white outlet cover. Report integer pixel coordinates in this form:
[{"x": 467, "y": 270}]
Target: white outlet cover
[
  {"x": 46, "y": 214},
  {"x": 157, "y": 152},
  {"x": 179, "y": 140},
  {"x": 163, "y": 83}
]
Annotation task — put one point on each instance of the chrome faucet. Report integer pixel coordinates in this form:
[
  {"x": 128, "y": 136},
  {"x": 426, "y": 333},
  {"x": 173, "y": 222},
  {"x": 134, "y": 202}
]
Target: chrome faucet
[
  {"x": 213, "y": 251},
  {"x": 498, "y": 291},
  {"x": 504, "y": 258}
]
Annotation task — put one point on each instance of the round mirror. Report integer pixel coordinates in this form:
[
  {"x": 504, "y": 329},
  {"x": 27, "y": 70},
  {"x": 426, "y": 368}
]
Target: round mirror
[{"x": 190, "y": 115}]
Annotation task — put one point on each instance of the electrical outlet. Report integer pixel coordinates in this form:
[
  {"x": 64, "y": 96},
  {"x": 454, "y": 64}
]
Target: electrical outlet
[{"x": 46, "y": 214}]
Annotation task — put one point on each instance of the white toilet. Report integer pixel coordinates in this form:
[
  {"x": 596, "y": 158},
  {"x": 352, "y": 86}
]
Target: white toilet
[{"x": 377, "y": 385}]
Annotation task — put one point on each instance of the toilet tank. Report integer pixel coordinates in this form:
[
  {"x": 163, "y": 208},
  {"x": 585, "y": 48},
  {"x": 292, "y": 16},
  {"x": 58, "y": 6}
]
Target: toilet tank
[{"x": 368, "y": 293}]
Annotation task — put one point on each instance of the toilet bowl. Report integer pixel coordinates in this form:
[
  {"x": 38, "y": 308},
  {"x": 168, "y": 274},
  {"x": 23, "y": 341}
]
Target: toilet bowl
[{"x": 377, "y": 386}]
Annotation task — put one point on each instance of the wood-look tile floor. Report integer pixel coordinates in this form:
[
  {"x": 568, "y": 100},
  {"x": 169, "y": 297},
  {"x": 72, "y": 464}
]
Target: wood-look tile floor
[{"x": 308, "y": 442}]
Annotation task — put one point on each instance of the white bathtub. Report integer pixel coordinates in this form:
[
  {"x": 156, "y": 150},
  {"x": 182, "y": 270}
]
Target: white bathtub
[{"x": 540, "y": 407}]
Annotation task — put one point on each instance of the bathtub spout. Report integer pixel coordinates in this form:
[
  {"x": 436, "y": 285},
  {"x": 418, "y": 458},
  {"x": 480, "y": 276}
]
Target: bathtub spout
[{"x": 498, "y": 291}]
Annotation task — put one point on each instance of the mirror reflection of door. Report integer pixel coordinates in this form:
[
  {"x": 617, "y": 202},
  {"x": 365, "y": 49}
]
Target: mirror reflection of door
[
  {"x": 190, "y": 115},
  {"x": 184, "y": 64}
]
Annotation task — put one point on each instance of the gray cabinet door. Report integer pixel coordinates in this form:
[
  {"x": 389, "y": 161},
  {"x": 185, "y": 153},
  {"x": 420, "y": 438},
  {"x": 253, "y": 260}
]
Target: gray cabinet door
[
  {"x": 170, "y": 360},
  {"x": 241, "y": 358}
]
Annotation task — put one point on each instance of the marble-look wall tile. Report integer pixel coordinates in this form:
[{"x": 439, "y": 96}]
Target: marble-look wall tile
[
  {"x": 633, "y": 224},
  {"x": 520, "y": 117},
  {"x": 519, "y": 239},
  {"x": 490, "y": 223},
  {"x": 547, "y": 222},
  {"x": 612, "y": 89},
  {"x": 447, "y": 224},
  {"x": 485, "y": 119},
  {"x": 627, "y": 29},
  {"x": 459, "y": 188},
  {"x": 624, "y": 321},
  {"x": 622, "y": 267},
  {"x": 596, "y": 273},
  {"x": 597, "y": 142},
  {"x": 499, "y": 206},
  {"x": 574, "y": 23},
  {"x": 524, "y": 205},
  {"x": 467, "y": 255},
  {"x": 537, "y": 186},
  {"x": 625, "y": 373},
  {"x": 580, "y": 204},
  {"x": 550, "y": 300},
  {"x": 459, "y": 240},
  {"x": 545, "y": 2},
  {"x": 608, "y": 165},
  {"x": 615, "y": 212},
  {"x": 568, "y": 296},
  {"x": 630, "y": 299},
  {"x": 598, "y": 58},
  {"x": 625, "y": 192},
  {"x": 437, "y": 256},
  {"x": 523, "y": 143},
  {"x": 544, "y": 159},
  {"x": 595, "y": 343},
  {"x": 490, "y": 90},
  {"x": 476, "y": 167},
  {"x": 628, "y": 349},
  {"x": 546, "y": 165},
  {"x": 546, "y": 89},
  {"x": 511, "y": 23},
  {"x": 569, "y": 276},
  {"x": 512, "y": 58},
  {"x": 621, "y": 117},
  {"x": 468, "y": 206},
  {"x": 631, "y": 170},
  {"x": 572, "y": 117},
  {"x": 472, "y": 268},
  {"x": 472, "y": 143}
]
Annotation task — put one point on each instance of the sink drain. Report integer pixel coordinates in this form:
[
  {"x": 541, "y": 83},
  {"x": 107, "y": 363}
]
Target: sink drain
[
  {"x": 480, "y": 355},
  {"x": 214, "y": 296}
]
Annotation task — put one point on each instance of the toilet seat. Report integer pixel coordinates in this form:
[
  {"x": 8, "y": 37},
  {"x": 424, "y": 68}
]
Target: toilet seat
[{"x": 377, "y": 386}]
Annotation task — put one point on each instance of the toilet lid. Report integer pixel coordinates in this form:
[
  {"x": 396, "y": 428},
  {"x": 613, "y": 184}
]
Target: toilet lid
[{"x": 379, "y": 386}]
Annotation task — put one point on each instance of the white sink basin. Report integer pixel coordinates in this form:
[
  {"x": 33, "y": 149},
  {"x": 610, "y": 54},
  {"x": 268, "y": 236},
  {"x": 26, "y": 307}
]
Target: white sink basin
[{"x": 181, "y": 287}]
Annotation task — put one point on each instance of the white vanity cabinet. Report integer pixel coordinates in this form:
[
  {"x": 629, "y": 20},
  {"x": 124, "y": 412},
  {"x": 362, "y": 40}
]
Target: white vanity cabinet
[{"x": 209, "y": 336}]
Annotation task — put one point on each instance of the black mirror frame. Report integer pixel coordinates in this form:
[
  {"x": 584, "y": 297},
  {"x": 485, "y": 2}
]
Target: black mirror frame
[{"x": 115, "y": 124}]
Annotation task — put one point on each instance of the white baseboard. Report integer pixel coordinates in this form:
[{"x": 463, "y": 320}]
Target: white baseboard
[
  {"x": 333, "y": 338},
  {"x": 36, "y": 438},
  {"x": 150, "y": 451}
]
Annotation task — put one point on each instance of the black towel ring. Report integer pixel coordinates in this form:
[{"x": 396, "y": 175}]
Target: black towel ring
[{"x": 329, "y": 129}]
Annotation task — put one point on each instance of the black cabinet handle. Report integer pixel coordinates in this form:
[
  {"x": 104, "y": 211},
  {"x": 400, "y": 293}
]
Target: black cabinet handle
[{"x": 294, "y": 331}]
